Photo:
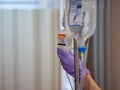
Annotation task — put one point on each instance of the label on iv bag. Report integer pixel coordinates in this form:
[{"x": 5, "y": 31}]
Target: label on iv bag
[{"x": 75, "y": 13}]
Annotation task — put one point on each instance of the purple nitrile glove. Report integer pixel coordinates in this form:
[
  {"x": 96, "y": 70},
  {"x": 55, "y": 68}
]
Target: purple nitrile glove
[{"x": 67, "y": 61}]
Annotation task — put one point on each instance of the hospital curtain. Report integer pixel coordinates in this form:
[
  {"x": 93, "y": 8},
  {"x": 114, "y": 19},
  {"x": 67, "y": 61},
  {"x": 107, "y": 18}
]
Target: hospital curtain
[
  {"x": 28, "y": 59},
  {"x": 105, "y": 46}
]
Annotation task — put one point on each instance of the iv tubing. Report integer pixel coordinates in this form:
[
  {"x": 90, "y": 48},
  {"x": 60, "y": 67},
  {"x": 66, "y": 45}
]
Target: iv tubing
[
  {"x": 83, "y": 72},
  {"x": 84, "y": 60},
  {"x": 70, "y": 82}
]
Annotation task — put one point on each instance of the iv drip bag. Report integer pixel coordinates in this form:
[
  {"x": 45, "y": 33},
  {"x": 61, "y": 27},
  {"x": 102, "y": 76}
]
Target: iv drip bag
[{"x": 88, "y": 23}]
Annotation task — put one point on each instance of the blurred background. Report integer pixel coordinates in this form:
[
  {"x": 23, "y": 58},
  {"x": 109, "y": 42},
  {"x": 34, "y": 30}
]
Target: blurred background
[{"x": 28, "y": 42}]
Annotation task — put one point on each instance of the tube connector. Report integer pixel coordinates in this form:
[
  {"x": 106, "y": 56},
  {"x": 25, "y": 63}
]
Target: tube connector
[{"x": 82, "y": 49}]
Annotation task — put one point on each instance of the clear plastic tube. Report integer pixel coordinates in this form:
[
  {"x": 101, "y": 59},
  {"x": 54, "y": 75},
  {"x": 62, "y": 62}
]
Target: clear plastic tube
[
  {"x": 83, "y": 72},
  {"x": 84, "y": 60}
]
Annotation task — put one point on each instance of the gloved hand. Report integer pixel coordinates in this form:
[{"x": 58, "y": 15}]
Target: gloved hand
[{"x": 67, "y": 61}]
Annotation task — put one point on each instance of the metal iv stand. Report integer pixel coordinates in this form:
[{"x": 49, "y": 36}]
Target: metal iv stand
[{"x": 76, "y": 65}]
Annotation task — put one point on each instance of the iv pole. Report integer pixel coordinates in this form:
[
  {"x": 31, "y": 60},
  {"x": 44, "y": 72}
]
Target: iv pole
[{"x": 76, "y": 65}]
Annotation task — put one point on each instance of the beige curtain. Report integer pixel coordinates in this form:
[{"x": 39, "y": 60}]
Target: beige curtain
[
  {"x": 106, "y": 46},
  {"x": 115, "y": 44},
  {"x": 28, "y": 59}
]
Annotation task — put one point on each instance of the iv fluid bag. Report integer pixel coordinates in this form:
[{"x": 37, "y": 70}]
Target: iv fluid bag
[
  {"x": 64, "y": 36},
  {"x": 89, "y": 19},
  {"x": 64, "y": 40},
  {"x": 88, "y": 25}
]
